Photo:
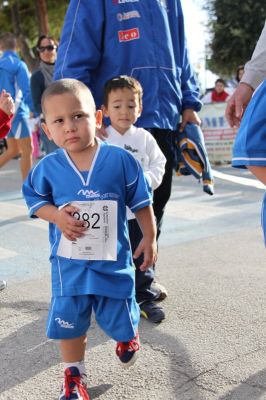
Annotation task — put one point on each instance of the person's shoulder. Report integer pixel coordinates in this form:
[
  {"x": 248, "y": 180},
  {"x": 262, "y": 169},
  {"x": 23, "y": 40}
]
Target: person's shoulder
[{"x": 37, "y": 76}]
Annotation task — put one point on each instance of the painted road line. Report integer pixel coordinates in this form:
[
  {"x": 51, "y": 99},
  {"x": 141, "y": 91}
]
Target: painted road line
[{"x": 237, "y": 179}]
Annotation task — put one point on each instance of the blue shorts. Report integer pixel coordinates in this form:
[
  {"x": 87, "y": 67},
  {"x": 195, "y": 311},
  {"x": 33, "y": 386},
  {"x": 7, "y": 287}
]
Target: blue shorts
[
  {"x": 20, "y": 128},
  {"x": 69, "y": 317}
]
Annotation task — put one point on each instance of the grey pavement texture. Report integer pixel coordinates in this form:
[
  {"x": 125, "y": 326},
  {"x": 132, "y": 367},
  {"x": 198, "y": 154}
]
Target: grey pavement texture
[{"x": 212, "y": 345}]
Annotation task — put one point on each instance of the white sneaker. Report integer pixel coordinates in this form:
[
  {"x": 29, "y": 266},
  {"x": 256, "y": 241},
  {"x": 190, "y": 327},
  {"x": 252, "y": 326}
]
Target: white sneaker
[{"x": 2, "y": 285}]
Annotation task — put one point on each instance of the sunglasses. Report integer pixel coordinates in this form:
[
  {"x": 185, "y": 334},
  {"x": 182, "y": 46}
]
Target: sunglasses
[{"x": 50, "y": 47}]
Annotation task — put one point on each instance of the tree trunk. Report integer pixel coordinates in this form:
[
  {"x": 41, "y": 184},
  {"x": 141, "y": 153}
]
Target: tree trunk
[
  {"x": 26, "y": 52},
  {"x": 42, "y": 15}
]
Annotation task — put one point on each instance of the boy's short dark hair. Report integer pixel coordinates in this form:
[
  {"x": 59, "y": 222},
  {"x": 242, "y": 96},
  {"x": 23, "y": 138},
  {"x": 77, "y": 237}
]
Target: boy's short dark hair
[
  {"x": 121, "y": 82},
  {"x": 66, "y": 85},
  {"x": 8, "y": 41},
  {"x": 220, "y": 80}
]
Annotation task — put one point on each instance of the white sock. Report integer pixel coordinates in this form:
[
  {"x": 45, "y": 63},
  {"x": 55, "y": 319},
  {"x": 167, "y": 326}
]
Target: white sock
[{"x": 78, "y": 364}]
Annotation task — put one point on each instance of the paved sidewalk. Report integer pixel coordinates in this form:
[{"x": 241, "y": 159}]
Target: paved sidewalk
[{"x": 212, "y": 346}]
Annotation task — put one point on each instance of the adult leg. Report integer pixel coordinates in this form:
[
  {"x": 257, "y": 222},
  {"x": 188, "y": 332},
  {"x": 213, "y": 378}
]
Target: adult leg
[
  {"x": 25, "y": 147},
  {"x": 11, "y": 152},
  {"x": 165, "y": 140}
]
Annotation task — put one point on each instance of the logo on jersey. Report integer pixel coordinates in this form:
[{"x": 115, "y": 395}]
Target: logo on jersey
[
  {"x": 64, "y": 324},
  {"x": 124, "y": 1},
  {"x": 88, "y": 193},
  {"x": 129, "y": 148},
  {"x": 128, "y": 15},
  {"x": 128, "y": 35}
]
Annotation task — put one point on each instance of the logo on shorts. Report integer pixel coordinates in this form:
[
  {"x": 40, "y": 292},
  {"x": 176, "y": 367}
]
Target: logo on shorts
[
  {"x": 64, "y": 324},
  {"x": 128, "y": 15},
  {"x": 128, "y": 35}
]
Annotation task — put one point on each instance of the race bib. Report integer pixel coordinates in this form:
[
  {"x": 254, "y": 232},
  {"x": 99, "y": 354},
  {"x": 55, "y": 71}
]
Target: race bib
[{"x": 100, "y": 239}]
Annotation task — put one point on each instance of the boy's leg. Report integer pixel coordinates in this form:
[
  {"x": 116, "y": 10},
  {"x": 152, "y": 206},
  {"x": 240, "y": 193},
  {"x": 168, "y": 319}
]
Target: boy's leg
[
  {"x": 69, "y": 320},
  {"x": 10, "y": 153},
  {"x": 119, "y": 319},
  {"x": 145, "y": 294},
  {"x": 25, "y": 147}
]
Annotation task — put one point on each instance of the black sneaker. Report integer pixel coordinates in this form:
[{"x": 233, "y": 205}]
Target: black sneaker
[
  {"x": 151, "y": 311},
  {"x": 127, "y": 351}
]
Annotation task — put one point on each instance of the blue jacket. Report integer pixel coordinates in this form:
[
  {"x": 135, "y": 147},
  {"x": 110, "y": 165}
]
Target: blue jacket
[
  {"x": 141, "y": 38},
  {"x": 192, "y": 157},
  {"x": 15, "y": 79}
]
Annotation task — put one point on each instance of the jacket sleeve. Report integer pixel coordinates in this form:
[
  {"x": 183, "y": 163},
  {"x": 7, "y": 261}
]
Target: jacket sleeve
[
  {"x": 81, "y": 44},
  {"x": 255, "y": 69},
  {"x": 189, "y": 86},
  {"x": 5, "y": 124},
  {"x": 23, "y": 82}
]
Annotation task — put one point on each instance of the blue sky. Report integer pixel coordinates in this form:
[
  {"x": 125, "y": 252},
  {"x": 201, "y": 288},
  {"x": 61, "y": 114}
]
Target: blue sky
[{"x": 197, "y": 38}]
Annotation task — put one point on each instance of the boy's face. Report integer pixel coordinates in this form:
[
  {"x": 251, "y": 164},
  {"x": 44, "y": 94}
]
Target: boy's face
[
  {"x": 70, "y": 121},
  {"x": 219, "y": 87},
  {"x": 123, "y": 109}
]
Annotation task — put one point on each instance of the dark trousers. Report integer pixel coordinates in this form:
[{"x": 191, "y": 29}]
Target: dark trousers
[
  {"x": 144, "y": 279},
  {"x": 165, "y": 140}
]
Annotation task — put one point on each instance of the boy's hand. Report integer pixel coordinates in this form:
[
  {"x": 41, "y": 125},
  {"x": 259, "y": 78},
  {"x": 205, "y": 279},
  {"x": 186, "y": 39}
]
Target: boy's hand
[
  {"x": 149, "y": 249},
  {"x": 68, "y": 225},
  {"x": 7, "y": 103}
]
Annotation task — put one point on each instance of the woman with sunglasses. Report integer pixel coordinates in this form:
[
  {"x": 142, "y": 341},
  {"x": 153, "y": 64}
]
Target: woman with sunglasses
[{"x": 47, "y": 49}]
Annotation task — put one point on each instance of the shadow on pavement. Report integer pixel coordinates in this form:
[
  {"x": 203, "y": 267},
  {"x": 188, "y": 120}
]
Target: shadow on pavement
[{"x": 249, "y": 389}]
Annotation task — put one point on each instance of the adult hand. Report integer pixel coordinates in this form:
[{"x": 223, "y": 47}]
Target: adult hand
[
  {"x": 191, "y": 116},
  {"x": 237, "y": 104}
]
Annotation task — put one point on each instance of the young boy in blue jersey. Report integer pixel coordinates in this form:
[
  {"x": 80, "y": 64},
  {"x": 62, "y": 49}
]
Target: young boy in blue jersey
[
  {"x": 249, "y": 149},
  {"x": 123, "y": 106},
  {"x": 82, "y": 190}
]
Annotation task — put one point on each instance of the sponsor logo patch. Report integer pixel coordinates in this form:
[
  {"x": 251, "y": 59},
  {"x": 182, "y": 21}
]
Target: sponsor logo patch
[
  {"x": 128, "y": 35},
  {"x": 128, "y": 15}
]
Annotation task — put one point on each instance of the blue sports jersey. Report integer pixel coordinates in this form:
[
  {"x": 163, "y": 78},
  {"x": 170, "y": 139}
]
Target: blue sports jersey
[
  {"x": 250, "y": 143},
  {"x": 114, "y": 175}
]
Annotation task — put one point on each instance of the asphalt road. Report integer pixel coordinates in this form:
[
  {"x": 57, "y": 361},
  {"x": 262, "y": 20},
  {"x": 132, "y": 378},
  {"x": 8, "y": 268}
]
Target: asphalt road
[{"x": 212, "y": 345}]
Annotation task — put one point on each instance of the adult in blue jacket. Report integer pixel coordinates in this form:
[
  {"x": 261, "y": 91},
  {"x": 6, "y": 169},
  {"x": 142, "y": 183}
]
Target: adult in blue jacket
[
  {"x": 144, "y": 39},
  {"x": 15, "y": 79}
]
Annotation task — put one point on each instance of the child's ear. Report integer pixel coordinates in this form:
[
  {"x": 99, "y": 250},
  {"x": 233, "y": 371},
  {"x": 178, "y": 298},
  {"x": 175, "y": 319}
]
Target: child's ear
[
  {"x": 105, "y": 111},
  {"x": 140, "y": 110},
  {"x": 46, "y": 130},
  {"x": 99, "y": 118}
]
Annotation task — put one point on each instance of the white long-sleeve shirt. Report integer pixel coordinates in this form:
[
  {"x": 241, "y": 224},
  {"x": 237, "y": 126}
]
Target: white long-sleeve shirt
[
  {"x": 255, "y": 69},
  {"x": 142, "y": 145}
]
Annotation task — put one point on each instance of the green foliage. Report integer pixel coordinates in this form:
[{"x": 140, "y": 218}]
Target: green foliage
[
  {"x": 28, "y": 18},
  {"x": 235, "y": 27}
]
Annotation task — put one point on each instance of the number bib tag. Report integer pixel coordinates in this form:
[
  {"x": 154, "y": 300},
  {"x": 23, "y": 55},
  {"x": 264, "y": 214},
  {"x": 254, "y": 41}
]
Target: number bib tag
[{"x": 100, "y": 240}]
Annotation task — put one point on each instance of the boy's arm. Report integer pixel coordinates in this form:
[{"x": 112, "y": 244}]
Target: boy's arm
[
  {"x": 259, "y": 172},
  {"x": 157, "y": 160},
  {"x": 147, "y": 245}
]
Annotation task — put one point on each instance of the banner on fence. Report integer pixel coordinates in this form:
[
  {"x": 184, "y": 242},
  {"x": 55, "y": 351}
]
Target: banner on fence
[{"x": 219, "y": 136}]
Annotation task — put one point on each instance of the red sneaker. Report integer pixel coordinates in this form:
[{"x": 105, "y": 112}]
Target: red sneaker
[{"x": 74, "y": 387}]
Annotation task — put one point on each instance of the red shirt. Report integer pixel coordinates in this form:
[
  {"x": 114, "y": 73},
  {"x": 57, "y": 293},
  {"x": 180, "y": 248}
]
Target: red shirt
[
  {"x": 216, "y": 97},
  {"x": 5, "y": 123}
]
